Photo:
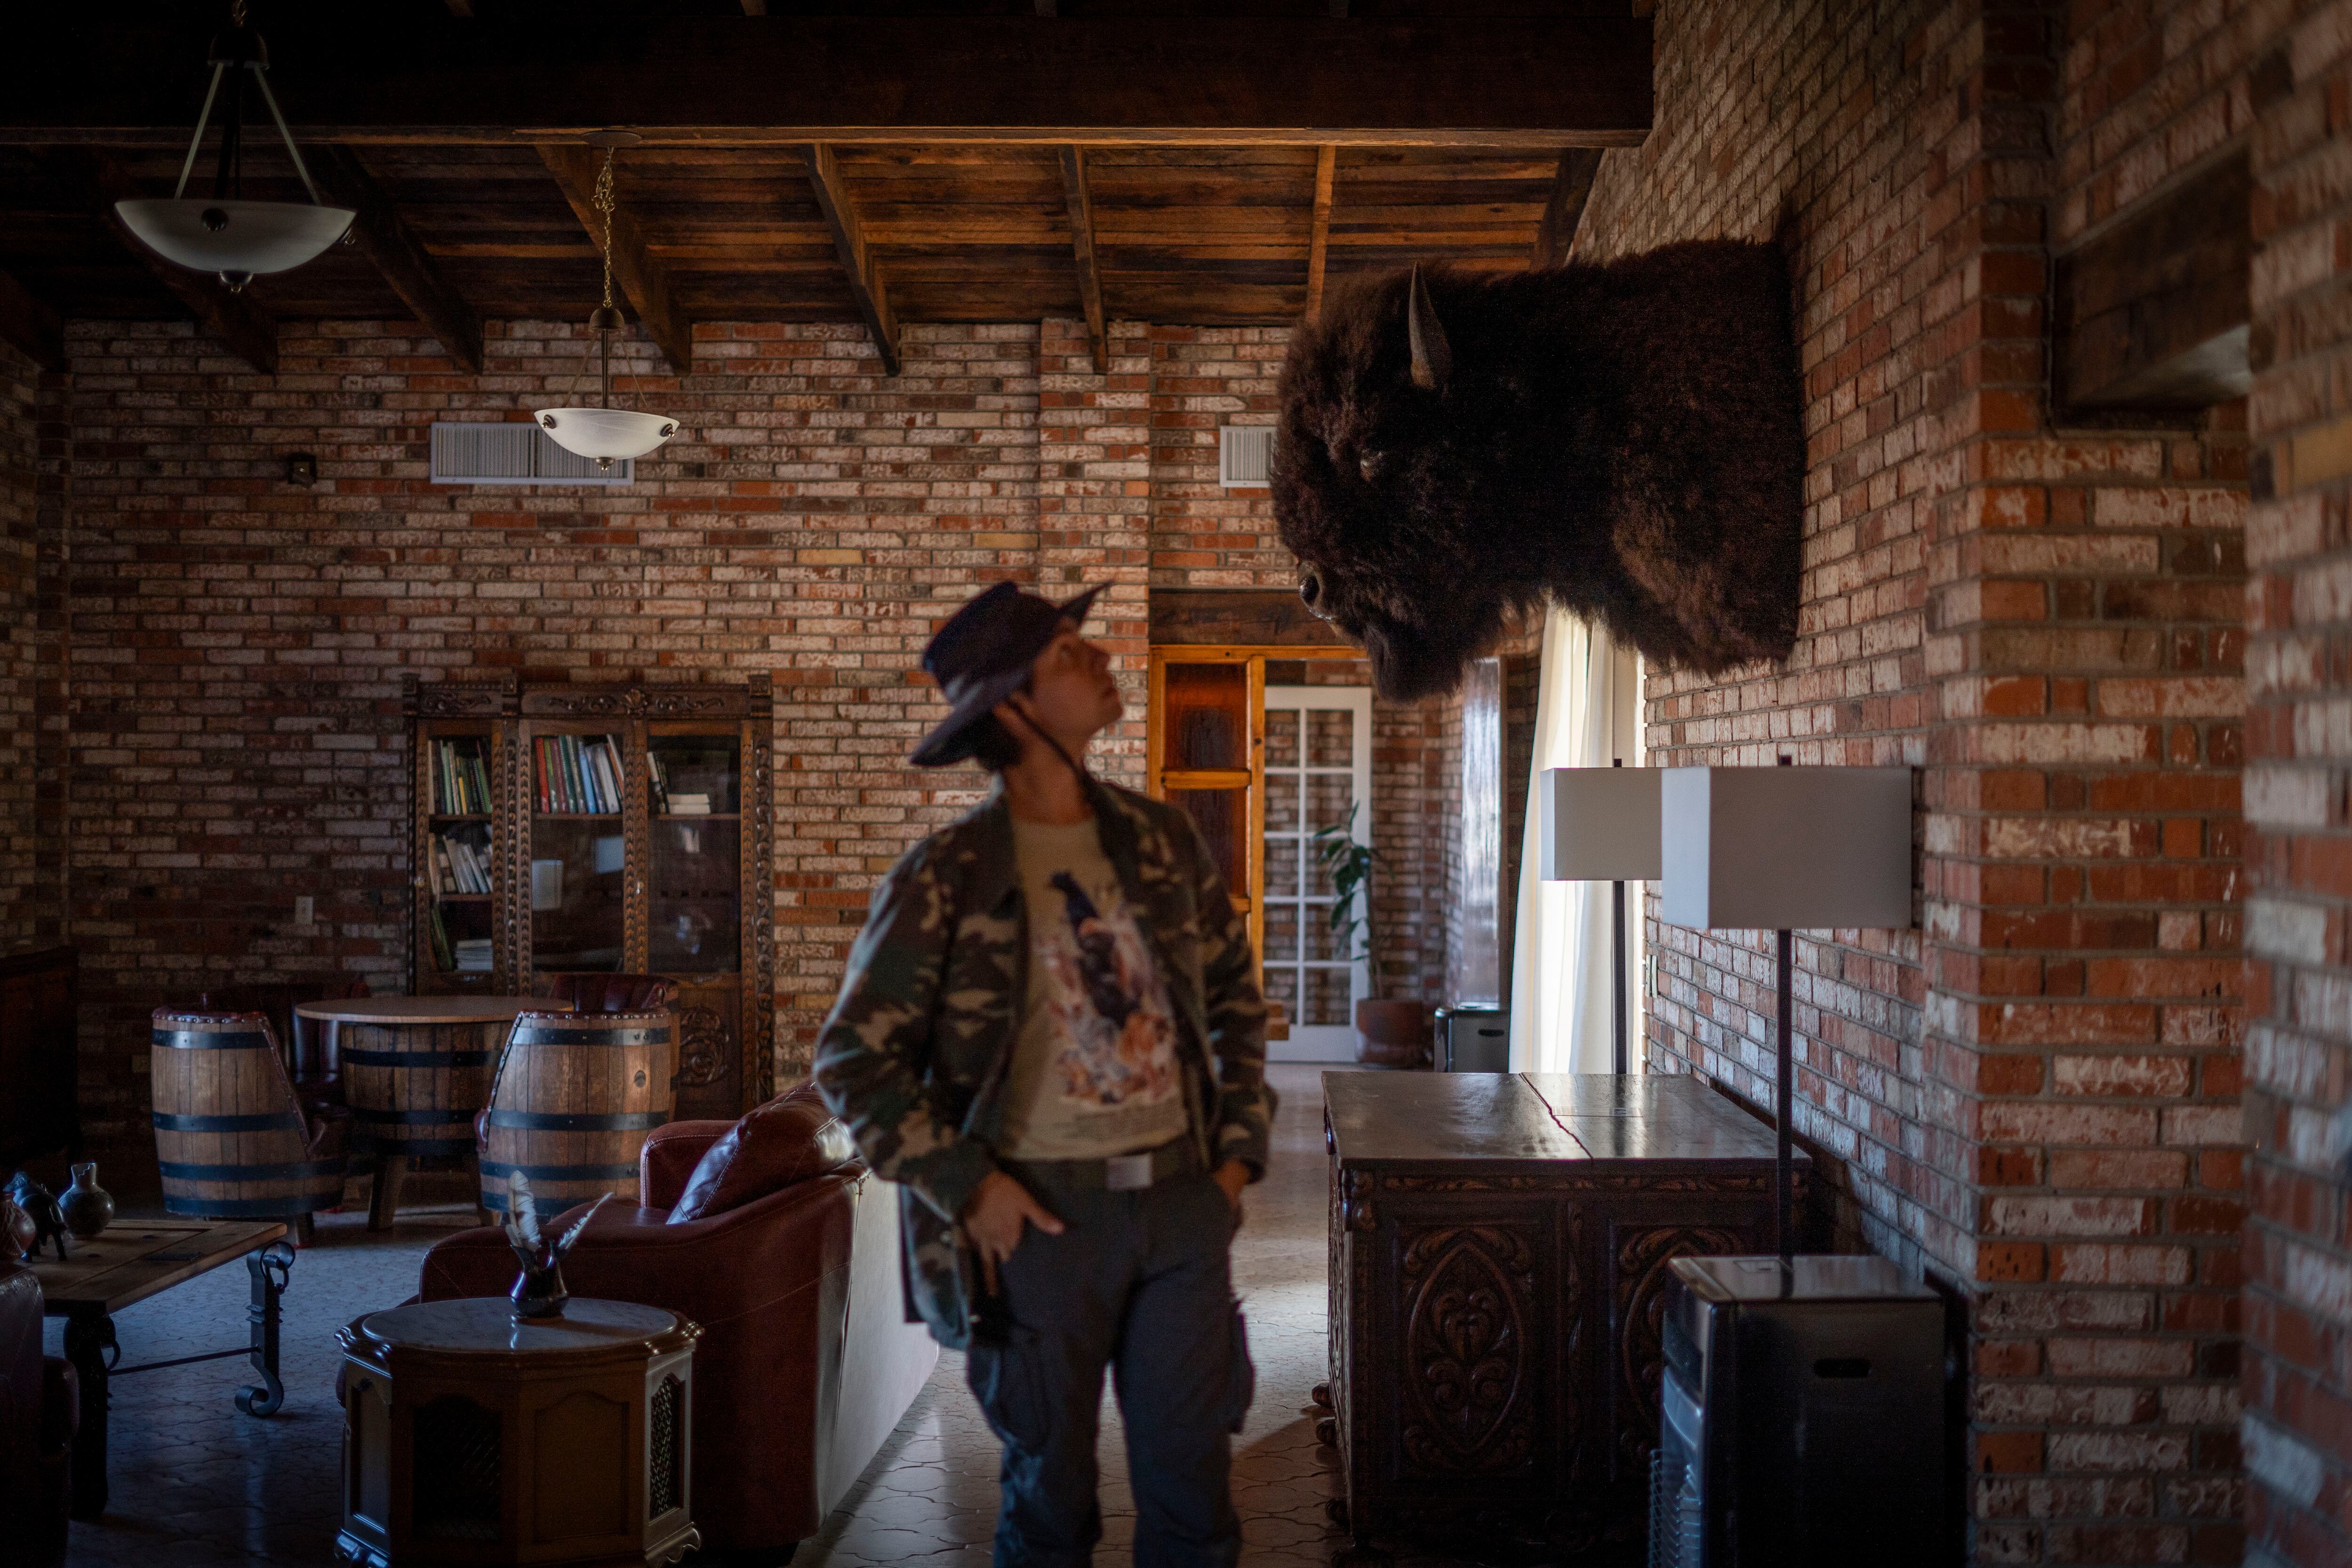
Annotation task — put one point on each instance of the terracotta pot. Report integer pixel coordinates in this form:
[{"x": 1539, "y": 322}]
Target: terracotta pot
[{"x": 1393, "y": 1034}]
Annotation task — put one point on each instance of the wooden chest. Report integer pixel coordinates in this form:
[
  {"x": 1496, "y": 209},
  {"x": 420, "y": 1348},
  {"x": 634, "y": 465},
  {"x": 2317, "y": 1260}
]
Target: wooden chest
[{"x": 1499, "y": 1246}]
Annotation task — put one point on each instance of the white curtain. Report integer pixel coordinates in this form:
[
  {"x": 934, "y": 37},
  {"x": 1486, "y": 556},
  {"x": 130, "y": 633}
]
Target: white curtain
[{"x": 1588, "y": 692}]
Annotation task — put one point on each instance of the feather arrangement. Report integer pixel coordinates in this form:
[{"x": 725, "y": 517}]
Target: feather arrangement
[{"x": 539, "y": 1289}]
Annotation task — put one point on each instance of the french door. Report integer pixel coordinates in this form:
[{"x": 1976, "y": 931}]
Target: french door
[{"x": 1318, "y": 780}]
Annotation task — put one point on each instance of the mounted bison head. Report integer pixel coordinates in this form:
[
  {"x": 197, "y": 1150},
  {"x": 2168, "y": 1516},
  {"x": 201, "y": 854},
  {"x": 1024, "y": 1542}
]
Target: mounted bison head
[{"x": 1622, "y": 440}]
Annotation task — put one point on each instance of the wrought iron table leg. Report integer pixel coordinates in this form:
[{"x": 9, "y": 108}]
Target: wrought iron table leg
[
  {"x": 88, "y": 1340},
  {"x": 270, "y": 1269}
]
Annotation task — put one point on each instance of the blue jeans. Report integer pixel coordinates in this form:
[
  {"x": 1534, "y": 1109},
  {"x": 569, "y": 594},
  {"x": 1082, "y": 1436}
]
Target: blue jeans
[{"x": 1141, "y": 1282}]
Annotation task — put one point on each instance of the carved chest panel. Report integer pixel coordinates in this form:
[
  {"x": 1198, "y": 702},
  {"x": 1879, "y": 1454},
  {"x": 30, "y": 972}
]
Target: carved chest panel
[{"x": 1499, "y": 1246}]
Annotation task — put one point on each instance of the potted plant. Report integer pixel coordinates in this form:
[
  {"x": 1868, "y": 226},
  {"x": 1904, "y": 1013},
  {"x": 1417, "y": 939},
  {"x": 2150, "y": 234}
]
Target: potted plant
[{"x": 1388, "y": 1033}]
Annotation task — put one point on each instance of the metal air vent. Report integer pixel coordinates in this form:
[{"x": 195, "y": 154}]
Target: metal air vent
[
  {"x": 1243, "y": 453},
  {"x": 515, "y": 454}
]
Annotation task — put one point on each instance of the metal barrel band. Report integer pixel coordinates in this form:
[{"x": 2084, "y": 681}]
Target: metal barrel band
[
  {"x": 253, "y": 1208},
  {"x": 249, "y": 1173},
  {"x": 578, "y": 1122},
  {"x": 350, "y": 1057},
  {"x": 205, "y": 1040},
  {"x": 496, "y": 1170},
  {"x": 267, "y": 1122},
  {"x": 546, "y": 1037}
]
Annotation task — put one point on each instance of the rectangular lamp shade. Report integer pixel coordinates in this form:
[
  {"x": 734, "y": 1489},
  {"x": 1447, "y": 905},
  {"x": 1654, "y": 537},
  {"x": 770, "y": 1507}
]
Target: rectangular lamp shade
[
  {"x": 1786, "y": 848},
  {"x": 1600, "y": 825}
]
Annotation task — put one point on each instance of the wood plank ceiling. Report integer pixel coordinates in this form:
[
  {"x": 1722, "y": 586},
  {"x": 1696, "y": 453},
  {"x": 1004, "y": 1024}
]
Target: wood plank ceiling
[{"x": 1199, "y": 216}]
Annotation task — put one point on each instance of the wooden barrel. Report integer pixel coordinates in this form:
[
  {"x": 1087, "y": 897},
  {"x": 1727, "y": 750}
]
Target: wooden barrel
[
  {"x": 413, "y": 1088},
  {"x": 575, "y": 1097},
  {"x": 229, "y": 1134}
]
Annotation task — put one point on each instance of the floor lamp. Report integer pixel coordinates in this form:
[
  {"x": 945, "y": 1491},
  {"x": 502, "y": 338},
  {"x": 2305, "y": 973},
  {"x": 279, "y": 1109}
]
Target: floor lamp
[
  {"x": 1780, "y": 850},
  {"x": 1601, "y": 825}
]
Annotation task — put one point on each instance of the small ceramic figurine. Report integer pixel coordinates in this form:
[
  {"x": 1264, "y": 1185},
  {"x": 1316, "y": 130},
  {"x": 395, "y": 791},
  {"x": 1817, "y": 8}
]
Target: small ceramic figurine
[
  {"x": 18, "y": 1234},
  {"x": 539, "y": 1289},
  {"x": 87, "y": 1207},
  {"x": 48, "y": 1225}
]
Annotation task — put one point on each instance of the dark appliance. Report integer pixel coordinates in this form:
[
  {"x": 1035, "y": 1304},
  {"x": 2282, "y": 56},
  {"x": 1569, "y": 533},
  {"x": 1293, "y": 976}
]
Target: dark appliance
[
  {"x": 1474, "y": 1038},
  {"x": 1804, "y": 1424}
]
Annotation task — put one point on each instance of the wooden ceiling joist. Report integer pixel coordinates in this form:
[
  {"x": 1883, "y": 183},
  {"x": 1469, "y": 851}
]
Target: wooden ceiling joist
[
  {"x": 1318, "y": 232},
  {"x": 368, "y": 73},
  {"x": 857, "y": 257},
  {"x": 641, "y": 276},
  {"x": 1570, "y": 190},
  {"x": 27, "y": 322},
  {"x": 1082, "y": 243},
  {"x": 399, "y": 255},
  {"x": 249, "y": 331}
]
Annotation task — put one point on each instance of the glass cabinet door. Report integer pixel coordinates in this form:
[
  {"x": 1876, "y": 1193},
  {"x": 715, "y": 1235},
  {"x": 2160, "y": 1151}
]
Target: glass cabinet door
[
  {"x": 459, "y": 863},
  {"x": 579, "y": 851},
  {"x": 1204, "y": 763},
  {"x": 693, "y": 896}
]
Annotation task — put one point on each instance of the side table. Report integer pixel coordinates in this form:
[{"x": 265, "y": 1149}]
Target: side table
[{"x": 472, "y": 1437}]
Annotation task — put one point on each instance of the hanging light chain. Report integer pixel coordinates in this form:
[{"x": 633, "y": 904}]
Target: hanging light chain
[{"x": 604, "y": 204}]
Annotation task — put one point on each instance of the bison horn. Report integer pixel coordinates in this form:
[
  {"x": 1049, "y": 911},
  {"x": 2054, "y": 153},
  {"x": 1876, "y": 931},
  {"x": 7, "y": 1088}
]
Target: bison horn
[{"x": 1432, "y": 358}]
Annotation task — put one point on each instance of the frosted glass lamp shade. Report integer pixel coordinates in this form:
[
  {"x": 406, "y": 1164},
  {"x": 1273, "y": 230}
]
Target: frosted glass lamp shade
[
  {"x": 1600, "y": 825},
  {"x": 234, "y": 237},
  {"x": 1785, "y": 848},
  {"x": 607, "y": 433}
]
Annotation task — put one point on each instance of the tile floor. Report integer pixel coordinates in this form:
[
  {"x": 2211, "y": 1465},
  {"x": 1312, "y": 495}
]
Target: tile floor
[{"x": 195, "y": 1484}]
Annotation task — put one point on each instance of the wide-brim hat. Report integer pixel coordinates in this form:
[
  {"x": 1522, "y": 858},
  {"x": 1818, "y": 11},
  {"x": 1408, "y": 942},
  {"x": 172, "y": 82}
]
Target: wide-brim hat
[{"x": 982, "y": 655}]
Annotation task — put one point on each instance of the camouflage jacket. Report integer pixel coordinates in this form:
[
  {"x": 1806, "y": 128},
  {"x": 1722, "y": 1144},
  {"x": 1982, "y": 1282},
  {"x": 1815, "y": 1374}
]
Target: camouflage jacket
[{"x": 914, "y": 1055}]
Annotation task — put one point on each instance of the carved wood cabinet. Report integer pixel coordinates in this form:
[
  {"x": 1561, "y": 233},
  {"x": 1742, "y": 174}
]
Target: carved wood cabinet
[
  {"x": 1499, "y": 1246},
  {"x": 584, "y": 827}
]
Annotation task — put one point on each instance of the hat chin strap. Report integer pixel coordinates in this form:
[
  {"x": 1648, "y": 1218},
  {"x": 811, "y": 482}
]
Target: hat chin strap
[{"x": 1034, "y": 728}]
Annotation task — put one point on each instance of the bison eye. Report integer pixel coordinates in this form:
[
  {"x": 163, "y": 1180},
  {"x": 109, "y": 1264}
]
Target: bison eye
[{"x": 1369, "y": 464}]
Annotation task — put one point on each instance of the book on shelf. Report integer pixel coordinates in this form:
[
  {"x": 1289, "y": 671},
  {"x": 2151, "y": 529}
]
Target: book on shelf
[
  {"x": 459, "y": 867},
  {"x": 461, "y": 780},
  {"x": 693, "y": 805},
  {"x": 579, "y": 778},
  {"x": 442, "y": 957},
  {"x": 658, "y": 781},
  {"x": 473, "y": 955}
]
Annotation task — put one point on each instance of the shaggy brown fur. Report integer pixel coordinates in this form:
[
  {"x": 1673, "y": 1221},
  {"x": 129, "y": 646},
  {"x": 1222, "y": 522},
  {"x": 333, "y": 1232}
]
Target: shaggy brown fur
[{"x": 1622, "y": 440}]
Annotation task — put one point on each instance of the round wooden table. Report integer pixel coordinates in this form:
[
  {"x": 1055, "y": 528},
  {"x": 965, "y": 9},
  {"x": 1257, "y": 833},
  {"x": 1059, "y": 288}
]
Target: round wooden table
[
  {"x": 472, "y": 1437},
  {"x": 415, "y": 1069}
]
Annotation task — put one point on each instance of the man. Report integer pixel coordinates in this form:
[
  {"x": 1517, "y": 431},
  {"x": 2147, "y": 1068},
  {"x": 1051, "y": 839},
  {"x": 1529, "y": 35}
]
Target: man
[{"x": 1051, "y": 1032}]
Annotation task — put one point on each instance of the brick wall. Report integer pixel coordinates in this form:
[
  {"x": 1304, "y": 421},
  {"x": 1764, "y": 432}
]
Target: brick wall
[
  {"x": 2298, "y": 1304},
  {"x": 2031, "y": 1094},
  {"x": 237, "y": 642},
  {"x": 19, "y": 646}
]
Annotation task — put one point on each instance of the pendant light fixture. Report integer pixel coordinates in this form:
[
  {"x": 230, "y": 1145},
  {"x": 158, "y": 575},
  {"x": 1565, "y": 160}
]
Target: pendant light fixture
[
  {"x": 607, "y": 433},
  {"x": 227, "y": 234}
]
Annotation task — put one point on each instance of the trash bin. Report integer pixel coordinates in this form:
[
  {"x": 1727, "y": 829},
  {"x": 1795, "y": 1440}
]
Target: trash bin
[{"x": 1474, "y": 1038}]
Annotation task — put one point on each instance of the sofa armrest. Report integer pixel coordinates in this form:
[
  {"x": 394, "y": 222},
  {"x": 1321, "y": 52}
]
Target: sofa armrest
[{"x": 670, "y": 1154}]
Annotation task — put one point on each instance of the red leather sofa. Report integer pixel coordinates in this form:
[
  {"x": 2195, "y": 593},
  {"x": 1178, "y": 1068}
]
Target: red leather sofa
[
  {"x": 39, "y": 1400},
  {"x": 807, "y": 1362}
]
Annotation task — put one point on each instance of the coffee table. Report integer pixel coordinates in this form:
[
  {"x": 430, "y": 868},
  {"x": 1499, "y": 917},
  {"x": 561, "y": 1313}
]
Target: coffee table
[
  {"x": 130, "y": 1261},
  {"x": 415, "y": 1069}
]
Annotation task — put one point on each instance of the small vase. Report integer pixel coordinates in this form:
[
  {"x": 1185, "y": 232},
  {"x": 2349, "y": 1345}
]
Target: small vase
[
  {"x": 540, "y": 1295},
  {"x": 17, "y": 1231},
  {"x": 88, "y": 1207}
]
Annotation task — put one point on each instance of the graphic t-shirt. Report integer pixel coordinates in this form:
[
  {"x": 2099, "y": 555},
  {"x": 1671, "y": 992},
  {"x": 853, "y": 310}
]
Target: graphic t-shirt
[{"x": 1094, "y": 1071}]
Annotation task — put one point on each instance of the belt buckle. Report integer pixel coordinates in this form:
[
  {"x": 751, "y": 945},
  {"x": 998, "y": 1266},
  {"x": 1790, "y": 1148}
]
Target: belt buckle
[{"x": 1127, "y": 1172}]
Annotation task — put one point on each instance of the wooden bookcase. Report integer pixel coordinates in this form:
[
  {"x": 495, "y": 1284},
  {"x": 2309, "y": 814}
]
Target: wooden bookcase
[{"x": 640, "y": 889}]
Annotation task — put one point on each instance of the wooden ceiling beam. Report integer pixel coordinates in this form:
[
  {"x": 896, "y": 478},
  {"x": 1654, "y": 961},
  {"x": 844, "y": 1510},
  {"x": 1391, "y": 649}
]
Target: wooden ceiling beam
[
  {"x": 250, "y": 332},
  {"x": 857, "y": 257},
  {"x": 27, "y": 321},
  {"x": 1571, "y": 189},
  {"x": 643, "y": 279},
  {"x": 364, "y": 73},
  {"x": 1318, "y": 232},
  {"x": 1082, "y": 243},
  {"x": 400, "y": 256}
]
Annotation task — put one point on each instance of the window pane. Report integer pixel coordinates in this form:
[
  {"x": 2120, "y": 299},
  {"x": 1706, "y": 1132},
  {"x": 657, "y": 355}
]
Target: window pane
[
  {"x": 1282, "y": 803},
  {"x": 1281, "y": 932},
  {"x": 1322, "y": 942},
  {"x": 1330, "y": 737},
  {"x": 1282, "y": 737},
  {"x": 1329, "y": 999},
  {"x": 1282, "y": 987},
  {"x": 694, "y": 928},
  {"x": 1329, "y": 796},
  {"x": 693, "y": 776},
  {"x": 1222, "y": 816},
  {"x": 1207, "y": 713},
  {"x": 576, "y": 871},
  {"x": 1281, "y": 867}
]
